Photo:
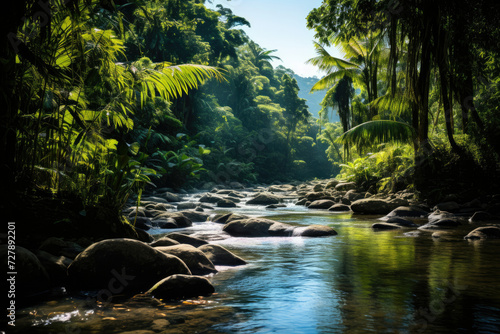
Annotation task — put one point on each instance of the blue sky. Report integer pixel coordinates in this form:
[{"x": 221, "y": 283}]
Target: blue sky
[{"x": 281, "y": 25}]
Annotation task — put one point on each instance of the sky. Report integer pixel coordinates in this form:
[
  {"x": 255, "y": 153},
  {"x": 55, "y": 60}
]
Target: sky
[{"x": 281, "y": 25}]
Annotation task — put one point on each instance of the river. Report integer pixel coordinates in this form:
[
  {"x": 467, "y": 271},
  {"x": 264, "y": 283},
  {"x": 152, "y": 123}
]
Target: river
[{"x": 360, "y": 281}]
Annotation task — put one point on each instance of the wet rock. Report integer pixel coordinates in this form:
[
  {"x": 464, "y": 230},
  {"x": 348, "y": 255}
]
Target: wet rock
[
  {"x": 236, "y": 185},
  {"x": 345, "y": 201},
  {"x": 321, "y": 204},
  {"x": 210, "y": 198},
  {"x": 178, "y": 217},
  {"x": 131, "y": 212},
  {"x": 445, "y": 236},
  {"x": 315, "y": 231},
  {"x": 318, "y": 188},
  {"x": 31, "y": 278},
  {"x": 187, "y": 239},
  {"x": 142, "y": 236},
  {"x": 339, "y": 207},
  {"x": 301, "y": 201},
  {"x": 172, "y": 197},
  {"x": 275, "y": 206},
  {"x": 144, "y": 223},
  {"x": 154, "y": 199},
  {"x": 385, "y": 226},
  {"x": 440, "y": 215},
  {"x": 197, "y": 262},
  {"x": 265, "y": 199},
  {"x": 227, "y": 218},
  {"x": 352, "y": 195},
  {"x": 196, "y": 216},
  {"x": 401, "y": 222},
  {"x": 226, "y": 203},
  {"x": 281, "y": 188},
  {"x": 235, "y": 194},
  {"x": 221, "y": 256},
  {"x": 332, "y": 184},
  {"x": 159, "y": 206},
  {"x": 186, "y": 206},
  {"x": 345, "y": 186},
  {"x": 375, "y": 206},
  {"x": 58, "y": 246},
  {"x": 257, "y": 227},
  {"x": 441, "y": 224},
  {"x": 163, "y": 242},
  {"x": 447, "y": 206},
  {"x": 482, "y": 216},
  {"x": 165, "y": 223},
  {"x": 129, "y": 265},
  {"x": 313, "y": 196},
  {"x": 484, "y": 232},
  {"x": 224, "y": 191},
  {"x": 182, "y": 287},
  {"x": 408, "y": 211}
]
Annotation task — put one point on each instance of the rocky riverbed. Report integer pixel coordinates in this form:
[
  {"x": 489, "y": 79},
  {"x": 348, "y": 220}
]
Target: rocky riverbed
[{"x": 177, "y": 266}]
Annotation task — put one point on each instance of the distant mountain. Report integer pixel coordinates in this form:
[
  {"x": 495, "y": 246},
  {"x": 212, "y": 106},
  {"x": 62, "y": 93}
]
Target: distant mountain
[{"x": 314, "y": 99}]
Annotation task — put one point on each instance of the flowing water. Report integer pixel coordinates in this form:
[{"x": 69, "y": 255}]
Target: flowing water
[{"x": 359, "y": 281}]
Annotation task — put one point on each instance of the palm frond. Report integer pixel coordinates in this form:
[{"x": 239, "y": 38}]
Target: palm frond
[{"x": 376, "y": 132}]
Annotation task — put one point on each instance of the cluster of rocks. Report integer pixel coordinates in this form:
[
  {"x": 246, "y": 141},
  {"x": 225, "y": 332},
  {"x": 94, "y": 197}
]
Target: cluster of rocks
[{"x": 175, "y": 266}]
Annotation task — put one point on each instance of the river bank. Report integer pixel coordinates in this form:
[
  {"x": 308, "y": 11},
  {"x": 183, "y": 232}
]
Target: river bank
[{"x": 233, "y": 214}]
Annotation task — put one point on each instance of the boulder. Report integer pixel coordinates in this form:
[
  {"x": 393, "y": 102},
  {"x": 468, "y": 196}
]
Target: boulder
[
  {"x": 210, "y": 198},
  {"x": 159, "y": 206},
  {"x": 332, "y": 184},
  {"x": 302, "y": 201},
  {"x": 122, "y": 265},
  {"x": 447, "y": 206},
  {"x": 481, "y": 216},
  {"x": 226, "y": 203},
  {"x": 275, "y": 206},
  {"x": 408, "y": 211},
  {"x": 441, "y": 224},
  {"x": 221, "y": 256},
  {"x": 147, "y": 199},
  {"x": 164, "y": 241},
  {"x": 352, "y": 195},
  {"x": 144, "y": 223},
  {"x": 165, "y": 223},
  {"x": 375, "y": 206},
  {"x": 196, "y": 216},
  {"x": 186, "y": 206},
  {"x": 257, "y": 227},
  {"x": 265, "y": 199},
  {"x": 314, "y": 231},
  {"x": 321, "y": 204},
  {"x": 181, "y": 287},
  {"x": 236, "y": 185},
  {"x": 282, "y": 188},
  {"x": 224, "y": 191},
  {"x": 345, "y": 186},
  {"x": 195, "y": 259},
  {"x": 401, "y": 222},
  {"x": 141, "y": 236},
  {"x": 339, "y": 207},
  {"x": 440, "y": 215},
  {"x": 227, "y": 217},
  {"x": 484, "y": 232},
  {"x": 187, "y": 239},
  {"x": 58, "y": 246},
  {"x": 313, "y": 196},
  {"x": 178, "y": 217},
  {"x": 385, "y": 226},
  {"x": 318, "y": 188},
  {"x": 172, "y": 197},
  {"x": 31, "y": 278}
]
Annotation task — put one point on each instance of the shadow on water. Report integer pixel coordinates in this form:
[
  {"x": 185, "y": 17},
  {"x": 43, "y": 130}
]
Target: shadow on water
[{"x": 360, "y": 281}]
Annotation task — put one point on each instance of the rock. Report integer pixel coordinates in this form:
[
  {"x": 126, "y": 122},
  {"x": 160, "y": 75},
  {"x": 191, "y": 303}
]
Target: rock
[
  {"x": 164, "y": 241},
  {"x": 481, "y": 216},
  {"x": 144, "y": 223},
  {"x": 181, "y": 287},
  {"x": 210, "y": 198},
  {"x": 55, "y": 266},
  {"x": 385, "y": 226},
  {"x": 126, "y": 265},
  {"x": 224, "y": 191},
  {"x": 265, "y": 199},
  {"x": 236, "y": 185},
  {"x": 155, "y": 199},
  {"x": 275, "y": 206},
  {"x": 195, "y": 259},
  {"x": 441, "y": 224},
  {"x": 172, "y": 197},
  {"x": 345, "y": 186},
  {"x": 408, "y": 211},
  {"x": 178, "y": 217},
  {"x": 186, "y": 206},
  {"x": 352, "y": 195},
  {"x": 339, "y": 207},
  {"x": 221, "y": 256},
  {"x": 31, "y": 278},
  {"x": 445, "y": 236},
  {"x": 401, "y": 222},
  {"x": 321, "y": 204},
  {"x": 484, "y": 232},
  {"x": 301, "y": 202},
  {"x": 141, "y": 212},
  {"x": 228, "y": 217},
  {"x": 257, "y": 227},
  {"x": 318, "y": 188},
  {"x": 447, "y": 206},
  {"x": 314, "y": 231},
  {"x": 142, "y": 236},
  {"x": 159, "y": 206},
  {"x": 375, "y": 206},
  {"x": 58, "y": 246},
  {"x": 165, "y": 223},
  {"x": 282, "y": 188},
  {"x": 345, "y": 201},
  {"x": 187, "y": 239},
  {"x": 440, "y": 215},
  {"x": 226, "y": 203},
  {"x": 235, "y": 194},
  {"x": 313, "y": 196},
  {"x": 196, "y": 216},
  {"x": 332, "y": 184}
]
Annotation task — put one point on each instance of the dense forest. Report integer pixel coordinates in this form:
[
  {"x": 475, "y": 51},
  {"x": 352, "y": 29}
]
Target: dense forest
[{"x": 104, "y": 99}]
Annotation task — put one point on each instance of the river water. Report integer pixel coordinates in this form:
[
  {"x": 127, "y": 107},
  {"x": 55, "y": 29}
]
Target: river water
[{"x": 359, "y": 281}]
